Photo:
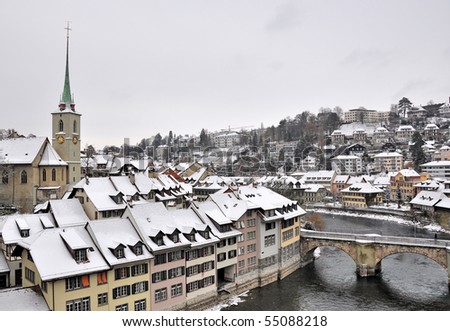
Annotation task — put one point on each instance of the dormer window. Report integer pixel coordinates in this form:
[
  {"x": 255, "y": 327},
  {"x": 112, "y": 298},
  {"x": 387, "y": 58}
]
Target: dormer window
[
  {"x": 81, "y": 255},
  {"x": 25, "y": 233},
  {"x": 158, "y": 240},
  {"x": 174, "y": 237},
  {"x": 138, "y": 249},
  {"x": 119, "y": 253},
  {"x": 205, "y": 234}
]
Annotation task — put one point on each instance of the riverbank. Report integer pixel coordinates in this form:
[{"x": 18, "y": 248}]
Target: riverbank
[{"x": 384, "y": 215}]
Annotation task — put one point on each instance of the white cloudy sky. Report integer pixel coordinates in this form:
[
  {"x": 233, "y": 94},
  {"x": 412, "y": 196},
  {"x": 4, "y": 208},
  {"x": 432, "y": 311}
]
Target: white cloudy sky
[{"x": 142, "y": 67}]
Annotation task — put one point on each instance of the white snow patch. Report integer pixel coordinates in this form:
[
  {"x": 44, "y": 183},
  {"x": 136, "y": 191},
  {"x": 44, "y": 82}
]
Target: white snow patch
[{"x": 233, "y": 301}]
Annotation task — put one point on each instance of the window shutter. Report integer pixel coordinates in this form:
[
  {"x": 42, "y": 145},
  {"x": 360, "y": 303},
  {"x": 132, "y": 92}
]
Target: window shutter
[
  {"x": 146, "y": 267},
  {"x": 212, "y": 279},
  {"x": 182, "y": 254},
  {"x": 146, "y": 285},
  {"x": 99, "y": 278},
  {"x": 164, "y": 275},
  {"x": 105, "y": 279},
  {"x": 128, "y": 290},
  {"x": 154, "y": 278},
  {"x": 85, "y": 281},
  {"x": 128, "y": 271},
  {"x": 182, "y": 271},
  {"x": 117, "y": 273},
  {"x": 134, "y": 270},
  {"x": 170, "y": 257},
  {"x": 114, "y": 293},
  {"x": 212, "y": 264},
  {"x": 133, "y": 288}
]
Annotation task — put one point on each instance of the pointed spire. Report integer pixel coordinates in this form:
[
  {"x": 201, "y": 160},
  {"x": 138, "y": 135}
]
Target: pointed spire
[{"x": 67, "y": 95}]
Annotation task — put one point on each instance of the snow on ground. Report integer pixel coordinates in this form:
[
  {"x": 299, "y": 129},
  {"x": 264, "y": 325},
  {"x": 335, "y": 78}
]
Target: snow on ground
[{"x": 22, "y": 299}]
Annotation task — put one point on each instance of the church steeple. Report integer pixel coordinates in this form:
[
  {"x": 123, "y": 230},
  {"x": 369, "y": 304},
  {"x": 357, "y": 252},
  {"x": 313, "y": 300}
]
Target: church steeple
[{"x": 67, "y": 98}]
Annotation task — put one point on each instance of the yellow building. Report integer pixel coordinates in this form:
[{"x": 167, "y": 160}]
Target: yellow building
[
  {"x": 402, "y": 184},
  {"x": 362, "y": 195}
]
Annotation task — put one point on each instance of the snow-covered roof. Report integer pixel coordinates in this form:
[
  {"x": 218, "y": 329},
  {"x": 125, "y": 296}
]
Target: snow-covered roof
[
  {"x": 68, "y": 212},
  {"x": 364, "y": 188},
  {"x": 152, "y": 218},
  {"x": 431, "y": 126},
  {"x": 22, "y": 299},
  {"x": 324, "y": 175},
  {"x": 123, "y": 184},
  {"x": 52, "y": 256},
  {"x": 341, "y": 179},
  {"x": 51, "y": 158},
  {"x": 388, "y": 154},
  {"x": 313, "y": 188},
  {"x": 436, "y": 164},
  {"x": 346, "y": 157},
  {"x": 381, "y": 129},
  {"x": 211, "y": 215},
  {"x": 100, "y": 192},
  {"x": 428, "y": 198},
  {"x": 408, "y": 173},
  {"x": 382, "y": 181},
  {"x": 20, "y": 150},
  {"x": 405, "y": 128},
  {"x": 144, "y": 183},
  {"x": 430, "y": 184},
  {"x": 230, "y": 205},
  {"x": 109, "y": 234},
  {"x": 32, "y": 222},
  {"x": 267, "y": 199}
]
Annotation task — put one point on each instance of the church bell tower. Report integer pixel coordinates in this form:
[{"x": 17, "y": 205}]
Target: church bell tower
[{"x": 66, "y": 127}]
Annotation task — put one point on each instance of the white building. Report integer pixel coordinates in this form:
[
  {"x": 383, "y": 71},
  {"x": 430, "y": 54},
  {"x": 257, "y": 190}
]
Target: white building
[
  {"x": 388, "y": 161},
  {"x": 347, "y": 165},
  {"x": 437, "y": 169}
]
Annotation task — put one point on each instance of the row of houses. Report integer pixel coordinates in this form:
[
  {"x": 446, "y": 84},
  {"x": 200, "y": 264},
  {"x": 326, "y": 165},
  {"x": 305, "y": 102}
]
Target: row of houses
[{"x": 151, "y": 257}]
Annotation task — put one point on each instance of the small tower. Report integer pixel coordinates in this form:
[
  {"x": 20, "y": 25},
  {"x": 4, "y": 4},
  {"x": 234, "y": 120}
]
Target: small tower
[{"x": 66, "y": 127}]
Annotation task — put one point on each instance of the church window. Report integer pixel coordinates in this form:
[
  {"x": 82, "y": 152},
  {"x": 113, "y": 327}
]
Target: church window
[
  {"x": 5, "y": 177},
  {"x": 23, "y": 177},
  {"x": 61, "y": 126},
  {"x": 53, "y": 174},
  {"x": 44, "y": 175},
  {"x": 74, "y": 126}
]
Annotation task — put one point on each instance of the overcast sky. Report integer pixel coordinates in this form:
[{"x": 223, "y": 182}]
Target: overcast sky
[{"x": 142, "y": 67}]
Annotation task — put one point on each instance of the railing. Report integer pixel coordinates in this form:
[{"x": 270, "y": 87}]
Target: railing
[{"x": 375, "y": 238}]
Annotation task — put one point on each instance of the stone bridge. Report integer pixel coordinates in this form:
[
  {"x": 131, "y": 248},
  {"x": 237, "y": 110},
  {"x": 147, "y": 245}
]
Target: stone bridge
[{"x": 369, "y": 250}]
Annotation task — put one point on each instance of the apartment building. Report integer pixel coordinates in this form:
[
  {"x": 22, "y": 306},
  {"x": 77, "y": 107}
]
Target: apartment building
[
  {"x": 403, "y": 183},
  {"x": 380, "y": 136},
  {"x": 388, "y": 162},
  {"x": 362, "y": 195},
  {"x": 404, "y": 133},
  {"x": 166, "y": 242},
  {"x": 347, "y": 165},
  {"x": 245, "y": 219},
  {"x": 279, "y": 232}
]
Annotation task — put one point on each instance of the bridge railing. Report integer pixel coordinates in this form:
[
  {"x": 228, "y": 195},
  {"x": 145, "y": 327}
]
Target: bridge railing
[{"x": 375, "y": 238}]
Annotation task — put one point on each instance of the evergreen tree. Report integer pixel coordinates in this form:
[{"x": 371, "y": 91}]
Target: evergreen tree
[{"x": 417, "y": 152}]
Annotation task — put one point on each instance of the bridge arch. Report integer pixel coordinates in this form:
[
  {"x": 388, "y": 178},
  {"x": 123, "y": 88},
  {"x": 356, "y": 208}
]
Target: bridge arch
[
  {"x": 309, "y": 246},
  {"x": 439, "y": 256}
]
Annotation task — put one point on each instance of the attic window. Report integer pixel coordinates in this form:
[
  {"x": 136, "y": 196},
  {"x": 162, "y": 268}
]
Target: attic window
[
  {"x": 205, "y": 234},
  {"x": 190, "y": 237},
  {"x": 25, "y": 233},
  {"x": 158, "y": 240},
  {"x": 80, "y": 255},
  {"x": 138, "y": 249},
  {"x": 119, "y": 253},
  {"x": 174, "y": 237}
]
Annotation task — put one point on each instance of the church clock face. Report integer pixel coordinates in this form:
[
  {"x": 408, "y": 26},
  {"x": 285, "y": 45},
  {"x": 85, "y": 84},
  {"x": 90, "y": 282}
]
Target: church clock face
[
  {"x": 75, "y": 140},
  {"x": 60, "y": 139}
]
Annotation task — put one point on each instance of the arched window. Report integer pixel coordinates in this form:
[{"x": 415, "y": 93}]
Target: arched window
[
  {"x": 44, "y": 175},
  {"x": 53, "y": 174},
  {"x": 61, "y": 126},
  {"x": 75, "y": 126},
  {"x": 5, "y": 177},
  {"x": 23, "y": 177}
]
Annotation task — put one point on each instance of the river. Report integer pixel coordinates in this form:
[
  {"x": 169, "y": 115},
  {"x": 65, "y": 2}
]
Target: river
[{"x": 407, "y": 282}]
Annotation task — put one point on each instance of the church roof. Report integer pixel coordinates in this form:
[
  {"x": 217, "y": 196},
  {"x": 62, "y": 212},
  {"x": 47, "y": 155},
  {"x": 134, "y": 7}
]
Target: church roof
[
  {"x": 20, "y": 150},
  {"x": 50, "y": 157}
]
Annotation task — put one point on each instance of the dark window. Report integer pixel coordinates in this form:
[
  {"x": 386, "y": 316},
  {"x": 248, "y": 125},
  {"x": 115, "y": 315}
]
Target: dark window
[
  {"x": 5, "y": 177},
  {"x": 44, "y": 175},
  {"x": 53, "y": 174},
  {"x": 23, "y": 177}
]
